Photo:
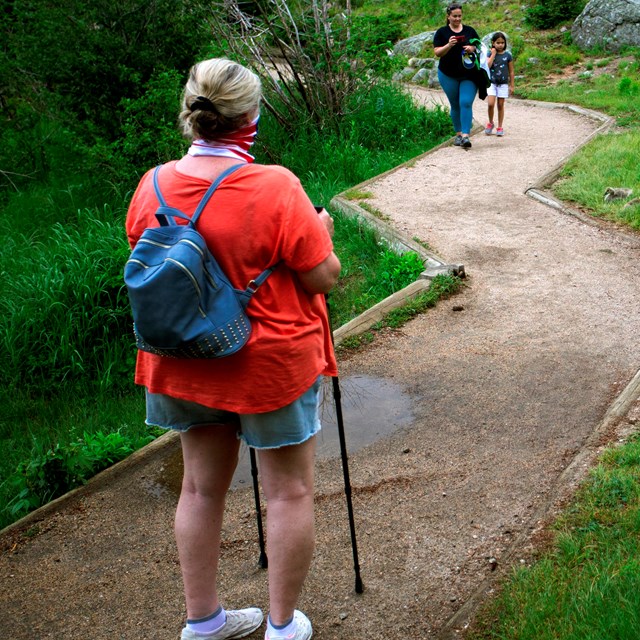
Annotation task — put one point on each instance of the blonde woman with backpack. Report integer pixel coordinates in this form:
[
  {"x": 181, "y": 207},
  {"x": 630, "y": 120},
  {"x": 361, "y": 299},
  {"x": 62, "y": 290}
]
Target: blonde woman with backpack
[{"x": 266, "y": 394}]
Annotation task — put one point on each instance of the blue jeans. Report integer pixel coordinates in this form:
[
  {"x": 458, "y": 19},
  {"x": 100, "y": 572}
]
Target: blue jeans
[{"x": 461, "y": 93}]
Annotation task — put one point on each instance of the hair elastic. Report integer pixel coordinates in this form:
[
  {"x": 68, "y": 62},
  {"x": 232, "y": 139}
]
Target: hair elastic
[{"x": 203, "y": 104}]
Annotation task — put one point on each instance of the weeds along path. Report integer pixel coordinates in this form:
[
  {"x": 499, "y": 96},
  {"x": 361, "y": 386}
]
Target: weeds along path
[{"x": 510, "y": 382}]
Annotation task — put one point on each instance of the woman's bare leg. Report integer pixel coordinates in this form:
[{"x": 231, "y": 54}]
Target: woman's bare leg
[
  {"x": 210, "y": 457},
  {"x": 287, "y": 480}
]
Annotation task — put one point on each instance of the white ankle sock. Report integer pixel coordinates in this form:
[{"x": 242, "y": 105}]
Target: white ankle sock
[
  {"x": 283, "y": 631},
  {"x": 209, "y": 624}
]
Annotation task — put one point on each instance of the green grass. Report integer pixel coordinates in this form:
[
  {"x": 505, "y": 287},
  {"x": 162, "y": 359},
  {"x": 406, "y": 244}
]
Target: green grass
[
  {"x": 587, "y": 584},
  {"x": 616, "y": 157}
]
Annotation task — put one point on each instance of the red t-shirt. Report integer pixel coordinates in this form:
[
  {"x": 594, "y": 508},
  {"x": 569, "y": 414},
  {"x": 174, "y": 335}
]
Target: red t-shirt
[{"x": 258, "y": 216}]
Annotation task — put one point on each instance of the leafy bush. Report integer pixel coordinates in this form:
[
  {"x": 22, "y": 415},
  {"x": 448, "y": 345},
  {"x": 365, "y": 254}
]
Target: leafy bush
[
  {"x": 150, "y": 132},
  {"x": 94, "y": 53},
  {"x": 52, "y": 473},
  {"x": 546, "y": 14}
]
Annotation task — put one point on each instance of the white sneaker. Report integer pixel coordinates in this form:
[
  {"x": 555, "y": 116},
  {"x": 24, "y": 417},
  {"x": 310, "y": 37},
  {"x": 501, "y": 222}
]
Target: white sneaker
[
  {"x": 303, "y": 629},
  {"x": 240, "y": 623}
]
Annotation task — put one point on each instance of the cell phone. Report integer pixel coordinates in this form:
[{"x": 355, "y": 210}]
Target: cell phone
[{"x": 461, "y": 38}]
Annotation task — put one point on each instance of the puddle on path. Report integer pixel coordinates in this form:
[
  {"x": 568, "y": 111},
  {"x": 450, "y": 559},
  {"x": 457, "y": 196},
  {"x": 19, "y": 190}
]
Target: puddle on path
[{"x": 372, "y": 408}]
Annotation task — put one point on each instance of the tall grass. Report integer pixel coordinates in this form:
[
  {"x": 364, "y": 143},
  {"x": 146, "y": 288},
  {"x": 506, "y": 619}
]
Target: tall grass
[{"x": 63, "y": 312}]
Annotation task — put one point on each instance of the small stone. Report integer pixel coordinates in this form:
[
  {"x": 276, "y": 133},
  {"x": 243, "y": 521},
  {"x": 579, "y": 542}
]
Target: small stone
[{"x": 344, "y": 616}]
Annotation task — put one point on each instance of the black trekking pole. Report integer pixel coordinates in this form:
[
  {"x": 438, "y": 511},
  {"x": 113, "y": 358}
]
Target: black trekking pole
[
  {"x": 263, "y": 561},
  {"x": 345, "y": 463}
]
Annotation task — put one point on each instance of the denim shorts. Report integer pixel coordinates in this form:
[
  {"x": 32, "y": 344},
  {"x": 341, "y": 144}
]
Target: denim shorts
[{"x": 293, "y": 424}]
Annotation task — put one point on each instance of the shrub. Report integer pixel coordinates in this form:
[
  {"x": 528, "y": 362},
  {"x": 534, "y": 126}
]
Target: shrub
[
  {"x": 546, "y": 14},
  {"x": 50, "y": 474}
]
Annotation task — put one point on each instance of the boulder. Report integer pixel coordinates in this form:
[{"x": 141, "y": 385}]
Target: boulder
[
  {"x": 611, "y": 24},
  {"x": 413, "y": 46}
]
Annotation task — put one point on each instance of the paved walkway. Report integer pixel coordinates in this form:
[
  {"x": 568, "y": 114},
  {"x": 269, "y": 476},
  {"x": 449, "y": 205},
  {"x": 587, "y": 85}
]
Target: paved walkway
[{"x": 514, "y": 385}]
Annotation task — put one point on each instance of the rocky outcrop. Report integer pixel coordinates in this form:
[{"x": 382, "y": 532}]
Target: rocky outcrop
[
  {"x": 422, "y": 71},
  {"x": 611, "y": 24},
  {"x": 414, "y": 45}
]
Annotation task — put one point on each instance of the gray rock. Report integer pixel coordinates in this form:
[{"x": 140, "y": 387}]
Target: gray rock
[
  {"x": 421, "y": 77},
  {"x": 414, "y": 45},
  {"x": 404, "y": 75},
  {"x": 421, "y": 63},
  {"x": 433, "y": 83},
  {"x": 611, "y": 24}
]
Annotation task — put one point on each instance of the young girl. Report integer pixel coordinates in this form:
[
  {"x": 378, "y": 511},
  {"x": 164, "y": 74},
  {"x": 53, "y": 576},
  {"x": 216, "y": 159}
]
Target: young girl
[{"x": 500, "y": 63}]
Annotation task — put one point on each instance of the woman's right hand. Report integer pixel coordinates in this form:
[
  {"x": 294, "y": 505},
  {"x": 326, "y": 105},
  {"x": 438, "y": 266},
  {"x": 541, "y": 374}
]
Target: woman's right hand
[{"x": 327, "y": 221}]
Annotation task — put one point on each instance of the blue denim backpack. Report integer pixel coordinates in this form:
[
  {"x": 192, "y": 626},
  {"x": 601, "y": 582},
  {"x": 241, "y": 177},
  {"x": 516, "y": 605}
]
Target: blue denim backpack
[{"x": 183, "y": 304}]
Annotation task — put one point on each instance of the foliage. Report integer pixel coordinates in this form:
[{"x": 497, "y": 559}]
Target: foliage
[
  {"x": 382, "y": 129},
  {"x": 311, "y": 59},
  {"x": 546, "y": 14},
  {"x": 46, "y": 475},
  {"x": 150, "y": 134},
  {"x": 92, "y": 54}
]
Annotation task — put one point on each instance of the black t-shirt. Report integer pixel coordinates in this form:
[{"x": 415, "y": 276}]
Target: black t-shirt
[{"x": 451, "y": 62}]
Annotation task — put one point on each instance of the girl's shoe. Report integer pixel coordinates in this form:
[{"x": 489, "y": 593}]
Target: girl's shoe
[
  {"x": 489, "y": 128},
  {"x": 457, "y": 141},
  {"x": 499, "y": 131},
  {"x": 466, "y": 143}
]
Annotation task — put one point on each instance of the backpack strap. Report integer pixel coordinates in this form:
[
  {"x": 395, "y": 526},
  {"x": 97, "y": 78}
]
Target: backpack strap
[
  {"x": 254, "y": 284},
  {"x": 166, "y": 214}
]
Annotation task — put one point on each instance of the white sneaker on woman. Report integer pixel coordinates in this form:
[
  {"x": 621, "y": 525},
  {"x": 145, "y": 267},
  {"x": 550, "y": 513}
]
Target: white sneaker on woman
[
  {"x": 303, "y": 630},
  {"x": 240, "y": 623}
]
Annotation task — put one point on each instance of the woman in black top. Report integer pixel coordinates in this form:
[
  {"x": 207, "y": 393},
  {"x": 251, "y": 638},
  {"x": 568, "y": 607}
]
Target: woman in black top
[{"x": 455, "y": 71}]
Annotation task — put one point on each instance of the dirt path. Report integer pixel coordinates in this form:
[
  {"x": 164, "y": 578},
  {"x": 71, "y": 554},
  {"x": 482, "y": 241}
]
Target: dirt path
[{"x": 510, "y": 396}]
